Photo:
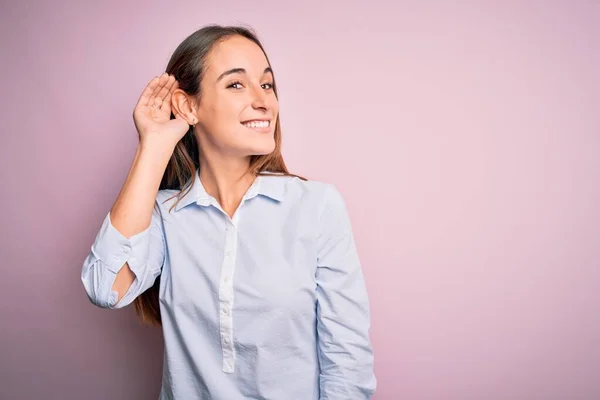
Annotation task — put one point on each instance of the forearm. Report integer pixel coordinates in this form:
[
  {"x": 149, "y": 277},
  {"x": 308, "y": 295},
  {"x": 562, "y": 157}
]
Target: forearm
[{"x": 132, "y": 210}]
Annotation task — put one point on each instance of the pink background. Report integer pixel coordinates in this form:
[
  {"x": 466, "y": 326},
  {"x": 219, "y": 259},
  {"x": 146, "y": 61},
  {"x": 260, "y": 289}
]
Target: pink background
[{"x": 464, "y": 136}]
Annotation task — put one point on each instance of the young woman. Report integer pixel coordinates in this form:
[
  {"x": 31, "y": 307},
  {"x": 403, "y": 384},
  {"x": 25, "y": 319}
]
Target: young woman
[{"x": 251, "y": 271}]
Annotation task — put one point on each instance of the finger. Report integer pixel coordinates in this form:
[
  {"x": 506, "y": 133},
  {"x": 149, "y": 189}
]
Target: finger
[
  {"x": 169, "y": 96},
  {"x": 166, "y": 101},
  {"x": 147, "y": 93},
  {"x": 154, "y": 100},
  {"x": 161, "y": 82},
  {"x": 162, "y": 94}
]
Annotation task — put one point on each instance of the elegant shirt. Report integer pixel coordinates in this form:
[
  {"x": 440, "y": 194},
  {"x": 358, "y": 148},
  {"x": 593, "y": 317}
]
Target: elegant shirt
[{"x": 268, "y": 304}]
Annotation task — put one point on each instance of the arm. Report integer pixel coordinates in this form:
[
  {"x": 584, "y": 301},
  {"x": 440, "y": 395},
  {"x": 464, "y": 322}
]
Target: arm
[
  {"x": 343, "y": 316},
  {"x": 128, "y": 252}
]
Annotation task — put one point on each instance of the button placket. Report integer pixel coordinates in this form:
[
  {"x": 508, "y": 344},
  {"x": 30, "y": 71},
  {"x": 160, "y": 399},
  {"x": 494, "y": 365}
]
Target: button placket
[{"x": 226, "y": 298}]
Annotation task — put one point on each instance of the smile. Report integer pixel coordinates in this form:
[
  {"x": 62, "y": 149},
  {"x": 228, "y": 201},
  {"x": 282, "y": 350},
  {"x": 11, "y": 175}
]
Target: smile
[{"x": 257, "y": 124}]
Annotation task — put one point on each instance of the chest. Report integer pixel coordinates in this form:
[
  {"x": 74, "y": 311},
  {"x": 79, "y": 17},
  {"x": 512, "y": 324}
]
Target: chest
[{"x": 249, "y": 267}]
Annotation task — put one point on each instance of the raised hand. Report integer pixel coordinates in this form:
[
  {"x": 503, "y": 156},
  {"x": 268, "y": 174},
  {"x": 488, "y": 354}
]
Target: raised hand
[{"x": 152, "y": 113}]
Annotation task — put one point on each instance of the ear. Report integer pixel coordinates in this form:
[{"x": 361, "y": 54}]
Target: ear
[{"x": 184, "y": 105}]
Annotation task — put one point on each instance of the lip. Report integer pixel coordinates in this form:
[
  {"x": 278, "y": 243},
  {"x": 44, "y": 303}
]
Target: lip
[{"x": 256, "y": 120}]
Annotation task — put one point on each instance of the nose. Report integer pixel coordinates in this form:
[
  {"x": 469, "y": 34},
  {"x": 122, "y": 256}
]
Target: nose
[{"x": 259, "y": 98}]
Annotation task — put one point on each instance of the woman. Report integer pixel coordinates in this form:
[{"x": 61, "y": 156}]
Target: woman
[{"x": 251, "y": 271}]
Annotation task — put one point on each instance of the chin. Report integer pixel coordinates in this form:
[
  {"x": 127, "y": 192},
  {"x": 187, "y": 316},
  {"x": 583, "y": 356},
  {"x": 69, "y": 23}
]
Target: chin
[{"x": 263, "y": 148}]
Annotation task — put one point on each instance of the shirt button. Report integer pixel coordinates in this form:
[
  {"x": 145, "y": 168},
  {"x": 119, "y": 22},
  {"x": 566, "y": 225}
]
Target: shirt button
[
  {"x": 225, "y": 310},
  {"x": 126, "y": 249},
  {"x": 226, "y": 341}
]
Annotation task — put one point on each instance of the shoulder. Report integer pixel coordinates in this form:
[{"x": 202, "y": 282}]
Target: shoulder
[
  {"x": 295, "y": 186},
  {"x": 321, "y": 195},
  {"x": 325, "y": 204}
]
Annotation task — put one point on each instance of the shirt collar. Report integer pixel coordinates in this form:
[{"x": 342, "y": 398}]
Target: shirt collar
[{"x": 271, "y": 185}]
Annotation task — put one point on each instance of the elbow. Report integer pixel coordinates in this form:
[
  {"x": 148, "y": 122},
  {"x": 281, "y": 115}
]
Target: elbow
[
  {"x": 348, "y": 372},
  {"x": 108, "y": 302},
  {"x": 360, "y": 386},
  {"x": 97, "y": 282}
]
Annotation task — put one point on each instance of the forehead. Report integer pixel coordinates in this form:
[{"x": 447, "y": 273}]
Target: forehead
[{"x": 236, "y": 52}]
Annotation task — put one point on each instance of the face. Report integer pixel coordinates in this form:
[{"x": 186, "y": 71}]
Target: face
[{"x": 237, "y": 107}]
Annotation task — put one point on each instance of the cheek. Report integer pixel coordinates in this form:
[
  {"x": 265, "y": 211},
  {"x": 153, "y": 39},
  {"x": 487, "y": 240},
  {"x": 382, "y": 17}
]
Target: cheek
[
  {"x": 274, "y": 103},
  {"x": 224, "y": 112},
  {"x": 232, "y": 109}
]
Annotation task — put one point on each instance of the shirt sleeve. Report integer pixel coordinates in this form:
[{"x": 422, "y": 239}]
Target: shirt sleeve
[
  {"x": 144, "y": 252},
  {"x": 343, "y": 316}
]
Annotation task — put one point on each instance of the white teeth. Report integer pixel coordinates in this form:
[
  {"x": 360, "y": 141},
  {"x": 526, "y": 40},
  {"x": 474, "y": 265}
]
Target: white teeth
[{"x": 257, "y": 124}]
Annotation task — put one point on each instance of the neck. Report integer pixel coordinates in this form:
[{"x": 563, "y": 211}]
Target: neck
[{"x": 226, "y": 179}]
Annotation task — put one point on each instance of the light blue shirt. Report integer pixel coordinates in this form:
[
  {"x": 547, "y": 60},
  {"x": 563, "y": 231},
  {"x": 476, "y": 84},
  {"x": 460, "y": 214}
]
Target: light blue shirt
[{"x": 270, "y": 304}]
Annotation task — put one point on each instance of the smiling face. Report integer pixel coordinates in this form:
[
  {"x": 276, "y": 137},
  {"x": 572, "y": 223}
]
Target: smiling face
[{"x": 237, "y": 109}]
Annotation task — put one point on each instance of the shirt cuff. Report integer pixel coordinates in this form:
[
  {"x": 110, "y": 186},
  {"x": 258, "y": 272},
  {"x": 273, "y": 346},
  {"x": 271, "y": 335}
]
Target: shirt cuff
[{"x": 115, "y": 250}]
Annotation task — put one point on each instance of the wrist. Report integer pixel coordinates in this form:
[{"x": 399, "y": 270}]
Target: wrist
[{"x": 162, "y": 149}]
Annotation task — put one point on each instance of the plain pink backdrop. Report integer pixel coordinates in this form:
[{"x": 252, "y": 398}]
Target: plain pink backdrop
[{"x": 464, "y": 136}]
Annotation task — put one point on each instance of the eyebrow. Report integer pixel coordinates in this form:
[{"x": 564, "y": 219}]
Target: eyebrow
[{"x": 240, "y": 71}]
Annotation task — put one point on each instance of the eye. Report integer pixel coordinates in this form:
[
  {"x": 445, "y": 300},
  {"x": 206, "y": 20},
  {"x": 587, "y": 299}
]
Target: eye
[{"x": 232, "y": 84}]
